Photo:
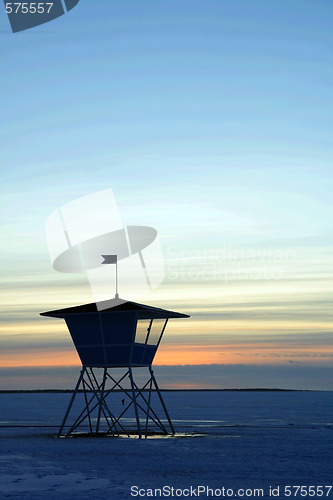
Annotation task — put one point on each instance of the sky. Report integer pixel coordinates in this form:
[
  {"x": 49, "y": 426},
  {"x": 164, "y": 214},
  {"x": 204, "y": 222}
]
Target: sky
[{"x": 212, "y": 122}]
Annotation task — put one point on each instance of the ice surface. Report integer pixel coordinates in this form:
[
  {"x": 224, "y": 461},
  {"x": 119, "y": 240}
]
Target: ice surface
[{"x": 239, "y": 440}]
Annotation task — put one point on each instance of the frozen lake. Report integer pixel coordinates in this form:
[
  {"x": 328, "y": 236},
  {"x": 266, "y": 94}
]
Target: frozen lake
[{"x": 246, "y": 442}]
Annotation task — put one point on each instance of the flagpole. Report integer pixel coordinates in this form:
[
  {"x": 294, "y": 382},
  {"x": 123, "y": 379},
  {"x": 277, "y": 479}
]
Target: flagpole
[
  {"x": 117, "y": 294},
  {"x": 112, "y": 259}
]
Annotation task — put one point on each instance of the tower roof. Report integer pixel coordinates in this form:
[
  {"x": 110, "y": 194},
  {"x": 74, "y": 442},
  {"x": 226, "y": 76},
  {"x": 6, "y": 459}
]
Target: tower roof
[{"x": 114, "y": 306}]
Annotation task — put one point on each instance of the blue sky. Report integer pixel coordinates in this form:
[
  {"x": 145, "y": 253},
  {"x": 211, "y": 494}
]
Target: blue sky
[{"x": 212, "y": 122}]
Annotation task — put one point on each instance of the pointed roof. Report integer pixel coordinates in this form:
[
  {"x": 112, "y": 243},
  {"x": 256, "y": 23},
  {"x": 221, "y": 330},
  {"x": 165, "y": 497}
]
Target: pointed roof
[{"x": 114, "y": 306}]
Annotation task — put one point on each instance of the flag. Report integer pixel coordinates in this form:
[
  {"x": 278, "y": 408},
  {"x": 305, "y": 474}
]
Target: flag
[{"x": 109, "y": 259}]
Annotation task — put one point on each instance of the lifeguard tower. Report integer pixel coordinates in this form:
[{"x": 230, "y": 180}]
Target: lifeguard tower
[{"x": 123, "y": 335}]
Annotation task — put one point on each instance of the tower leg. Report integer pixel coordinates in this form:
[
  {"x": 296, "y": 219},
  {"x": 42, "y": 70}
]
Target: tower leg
[
  {"x": 71, "y": 401},
  {"x": 135, "y": 402},
  {"x": 101, "y": 401},
  {"x": 148, "y": 406},
  {"x": 87, "y": 404},
  {"x": 161, "y": 399}
]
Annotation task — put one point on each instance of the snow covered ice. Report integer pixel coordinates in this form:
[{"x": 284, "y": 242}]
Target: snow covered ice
[{"x": 233, "y": 439}]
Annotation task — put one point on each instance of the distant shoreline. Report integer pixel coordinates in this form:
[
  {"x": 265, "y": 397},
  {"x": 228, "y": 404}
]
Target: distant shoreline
[{"x": 60, "y": 391}]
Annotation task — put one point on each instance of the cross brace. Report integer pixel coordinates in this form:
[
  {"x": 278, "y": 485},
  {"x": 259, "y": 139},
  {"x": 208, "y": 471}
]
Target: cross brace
[{"x": 98, "y": 410}]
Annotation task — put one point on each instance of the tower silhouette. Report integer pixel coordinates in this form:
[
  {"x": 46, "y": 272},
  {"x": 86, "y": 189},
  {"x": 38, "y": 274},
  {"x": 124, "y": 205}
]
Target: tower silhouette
[{"x": 111, "y": 337}]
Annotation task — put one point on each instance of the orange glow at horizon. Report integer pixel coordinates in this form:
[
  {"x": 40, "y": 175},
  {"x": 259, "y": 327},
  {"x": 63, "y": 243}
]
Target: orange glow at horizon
[
  {"x": 45, "y": 358},
  {"x": 171, "y": 355},
  {"x": 249, "y": 354}
]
